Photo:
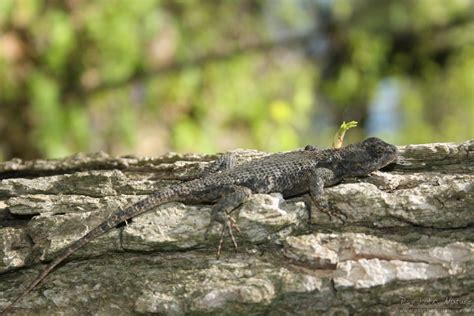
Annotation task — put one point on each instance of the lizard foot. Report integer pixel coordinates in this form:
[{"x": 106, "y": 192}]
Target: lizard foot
[
  {"x": 232, "y": 198},
  {"x": 228, "y": 225},
  {"x": 321, "y": 204},
  {"x": 334, "y": 214}
]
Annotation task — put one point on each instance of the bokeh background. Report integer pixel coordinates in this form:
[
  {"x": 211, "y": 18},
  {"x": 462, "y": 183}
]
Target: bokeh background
[{"x": 149, "y": 76}]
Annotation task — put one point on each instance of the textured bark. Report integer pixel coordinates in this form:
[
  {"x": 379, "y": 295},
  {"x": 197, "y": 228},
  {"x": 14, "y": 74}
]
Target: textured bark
[{"x": 401, "y": 240}]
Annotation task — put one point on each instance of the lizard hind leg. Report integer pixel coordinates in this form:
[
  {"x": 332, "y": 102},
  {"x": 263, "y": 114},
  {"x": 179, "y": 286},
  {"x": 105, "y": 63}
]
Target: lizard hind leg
[{"x": 230, "y": 199}]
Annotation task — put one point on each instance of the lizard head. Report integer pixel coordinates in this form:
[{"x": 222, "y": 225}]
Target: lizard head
[{"x": 367, "y": 156}]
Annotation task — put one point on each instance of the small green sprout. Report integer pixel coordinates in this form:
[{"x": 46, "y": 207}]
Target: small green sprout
[{"x": 339, "y": 138}]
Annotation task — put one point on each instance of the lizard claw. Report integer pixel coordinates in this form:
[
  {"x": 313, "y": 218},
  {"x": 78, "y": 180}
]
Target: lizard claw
[
  {"x": 233, "y": 224},
  {"x": 322, "y": 205},
  {"x": 221, "y": 241},
  {"x": 230, "y": 223},
  {"x": 334, "y": 214}
]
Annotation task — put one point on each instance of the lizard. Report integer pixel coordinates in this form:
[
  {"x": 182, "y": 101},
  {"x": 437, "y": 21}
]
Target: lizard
[{"x": 228, "y": 185}]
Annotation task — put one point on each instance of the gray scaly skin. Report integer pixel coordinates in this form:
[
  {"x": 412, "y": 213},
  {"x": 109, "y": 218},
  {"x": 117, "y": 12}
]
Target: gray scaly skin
[{"x": 291, "y": 173}]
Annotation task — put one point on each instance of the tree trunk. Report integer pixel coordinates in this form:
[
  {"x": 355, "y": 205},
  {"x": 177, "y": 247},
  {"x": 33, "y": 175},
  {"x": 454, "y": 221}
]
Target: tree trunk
[{"x": 400, "y": 241}]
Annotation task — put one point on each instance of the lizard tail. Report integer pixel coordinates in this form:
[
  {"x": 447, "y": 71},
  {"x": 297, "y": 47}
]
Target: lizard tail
[
  {"x": 116, "y": 218},
  {"x": 68, "y": 251}
]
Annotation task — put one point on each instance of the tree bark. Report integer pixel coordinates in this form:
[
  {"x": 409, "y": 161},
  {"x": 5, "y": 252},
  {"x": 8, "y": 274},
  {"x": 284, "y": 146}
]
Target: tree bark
[{"x": 401, "y": 241}]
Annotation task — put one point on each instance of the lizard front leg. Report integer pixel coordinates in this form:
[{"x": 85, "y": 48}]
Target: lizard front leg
[
  {"x": 318, "y": 179},
  {"x": 231, "y": 198}
]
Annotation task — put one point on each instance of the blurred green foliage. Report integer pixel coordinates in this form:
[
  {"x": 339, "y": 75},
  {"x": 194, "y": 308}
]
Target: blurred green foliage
[{"x": 153, "y": 75}]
